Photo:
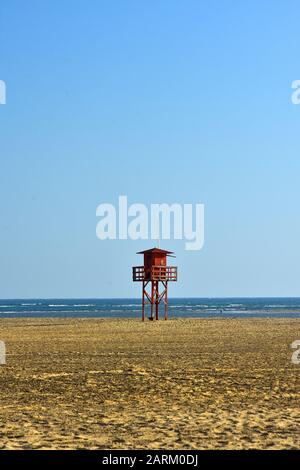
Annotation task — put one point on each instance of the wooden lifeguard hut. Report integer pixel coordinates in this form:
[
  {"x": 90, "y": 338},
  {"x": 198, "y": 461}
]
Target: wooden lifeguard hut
[{"x": 155, "y": 272}]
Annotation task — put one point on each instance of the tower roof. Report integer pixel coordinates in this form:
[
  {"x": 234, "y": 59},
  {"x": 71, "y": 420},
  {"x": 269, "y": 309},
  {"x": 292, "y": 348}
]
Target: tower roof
[{"x": 155, "y": 250}]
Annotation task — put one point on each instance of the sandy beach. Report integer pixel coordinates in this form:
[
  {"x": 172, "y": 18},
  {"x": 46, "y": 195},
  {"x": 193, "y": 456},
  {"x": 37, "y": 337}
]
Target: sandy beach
[{"x": 122, "y": 384}]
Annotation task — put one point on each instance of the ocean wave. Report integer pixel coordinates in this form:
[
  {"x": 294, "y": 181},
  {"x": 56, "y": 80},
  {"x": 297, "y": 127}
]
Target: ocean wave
[
  {"x": 16, "y": 311},
  {"x": 82, "y": 305},
  {"x": 59, "y": 305},
  {"x": 280, "y": 306},
  {"x": 112, "y": 310},
  {"x": 126, "y": 305}
]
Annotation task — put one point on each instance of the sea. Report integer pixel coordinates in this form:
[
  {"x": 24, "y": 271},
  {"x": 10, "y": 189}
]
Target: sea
[{"x": 131, "y": 308}]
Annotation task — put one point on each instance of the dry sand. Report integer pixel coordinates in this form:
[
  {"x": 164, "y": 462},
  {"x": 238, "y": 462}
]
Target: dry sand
[{"x": 121, "y": 384}]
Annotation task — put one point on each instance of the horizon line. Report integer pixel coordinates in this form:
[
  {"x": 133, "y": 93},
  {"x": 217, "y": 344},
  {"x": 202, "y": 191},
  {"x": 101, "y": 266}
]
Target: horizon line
[{"x": 138, "y": 298}]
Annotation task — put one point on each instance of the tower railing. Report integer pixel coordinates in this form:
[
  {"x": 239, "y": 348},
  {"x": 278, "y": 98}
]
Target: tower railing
[{"x": 155, "y": 273}]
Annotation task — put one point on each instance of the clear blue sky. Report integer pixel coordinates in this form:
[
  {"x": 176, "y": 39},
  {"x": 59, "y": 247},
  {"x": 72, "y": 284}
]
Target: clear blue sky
[{"x": 101, "y": 93}]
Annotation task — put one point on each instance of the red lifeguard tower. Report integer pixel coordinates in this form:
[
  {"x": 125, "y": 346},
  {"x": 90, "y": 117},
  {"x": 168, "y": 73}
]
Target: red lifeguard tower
[{"x": 155, "y": 271}]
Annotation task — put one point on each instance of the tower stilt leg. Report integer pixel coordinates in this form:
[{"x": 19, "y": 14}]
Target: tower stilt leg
[
  {"x": 143, "y": 302},
  {"x": 156, "y": 301},
  {"x": 152, "y": 300},
  {"x": 166, "y": 301}
]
